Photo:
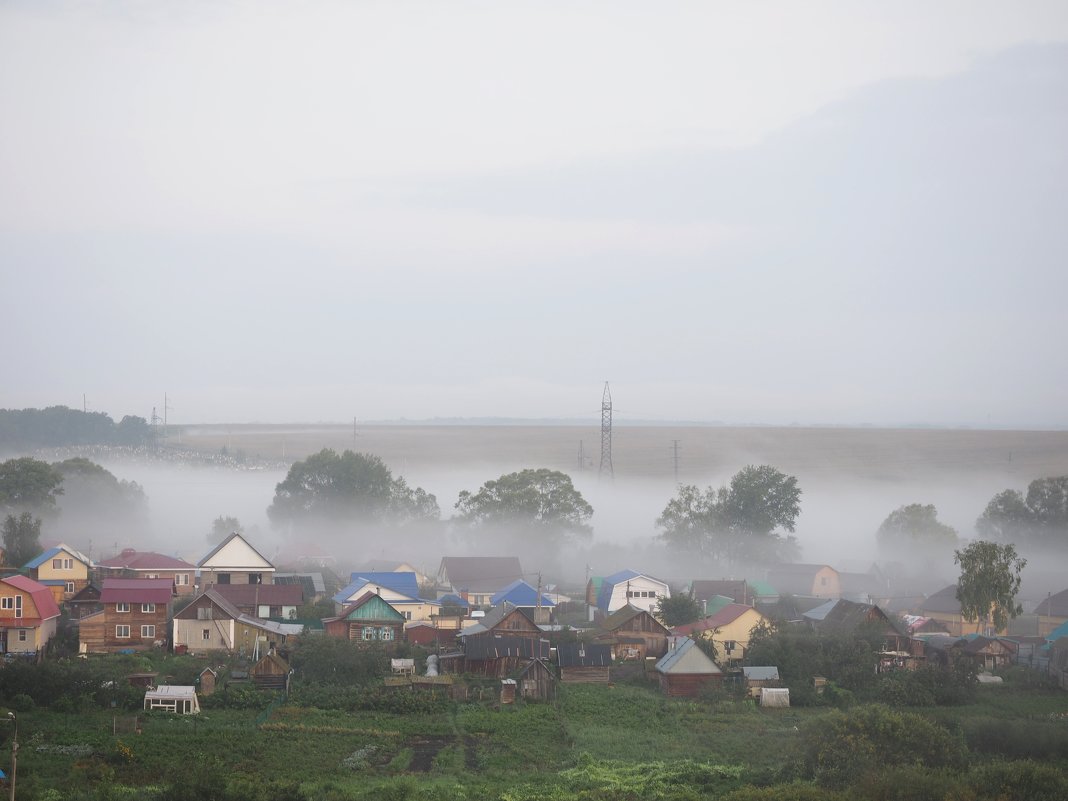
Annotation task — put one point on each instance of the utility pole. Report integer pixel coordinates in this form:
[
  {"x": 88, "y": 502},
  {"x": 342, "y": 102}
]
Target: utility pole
[
  {"x": 675, "y": 448},
  {"x": 606, "y": 435},
  {"x": 166, "y": 408},
  {"x": 14, "y": 752},
  {"x": 85, "y": 405},
  {"x": 581, "y": 457}
]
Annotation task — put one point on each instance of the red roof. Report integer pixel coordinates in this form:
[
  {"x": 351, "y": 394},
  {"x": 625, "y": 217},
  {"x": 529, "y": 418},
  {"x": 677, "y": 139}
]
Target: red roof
[
  {"x": 138, "y": 591},
  {"x": 42, "y": 597},
  {"x": 727, "y": 614},
  {"x": 145, "y": 560}
]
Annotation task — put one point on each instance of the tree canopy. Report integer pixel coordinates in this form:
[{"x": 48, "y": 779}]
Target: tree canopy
[
  {"x": 59, "y": 426},
  {"x": 29, "y": 484},
  {"x": 353, "y": 486},
  {"x": 989, "y": 582},
  {"x": 738, "y": 522},
  {"x": 541, "y": 499},
  {"x": 222, "y": 527},
  {"x": 678, "y": 609},
  {"x": 1039, "y": 518},
  {"x": 22, "y": 538},
  {"x": 915, "y": 525}
]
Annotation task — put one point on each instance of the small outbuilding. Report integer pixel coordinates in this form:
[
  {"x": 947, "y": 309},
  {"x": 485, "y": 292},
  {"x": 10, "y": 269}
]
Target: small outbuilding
[
  {"x": 207, "y": 681},
  {"x": 584, "y": 663},
  {"x": 537, "y": 681},
  {"x": 685, "y": 670},
  {"x": 775, "y": 696},
  {"x": 177, "y": 698},
  {"x": 757, "y": 678},
  {"x": 270, "y": 673}
]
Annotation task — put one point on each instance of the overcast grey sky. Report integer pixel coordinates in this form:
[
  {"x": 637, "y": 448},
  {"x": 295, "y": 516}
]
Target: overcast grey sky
[{"x": 838, "y": 212}]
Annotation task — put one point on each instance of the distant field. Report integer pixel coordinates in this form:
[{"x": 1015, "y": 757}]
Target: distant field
[{"x": 648, "y": 451}]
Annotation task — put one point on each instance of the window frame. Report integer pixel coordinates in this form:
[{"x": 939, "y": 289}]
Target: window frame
[
  {"x": 119, "y": 607},
  {"x": 119, "y": 631}
]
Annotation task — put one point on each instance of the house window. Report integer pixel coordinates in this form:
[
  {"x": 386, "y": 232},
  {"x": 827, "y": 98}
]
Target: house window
[
  {"x": 387, "y": 633},
  {"x": 8, "y": 602},
  {"x": 729, "y": 646},
  {"x": 122, "y": 606},
  {"x": 407, "y": 615},
  {"x": 62, "y": 564},
  {"x": 148, "y": 608},
  {"x": 652, "y": 593},
  {"x": 224, "y": 578},
  {"x": 255, "y": 578},
  {"x": 22, "y": 635},
  {"x": 70, "y": 588},
  {"x": 181, "y": 579},
  {"x": 148, "y": 632},
  {"x": 122, "y": 632},
  {"x": 206, "y": 634},
  {"x": 368, "y": 633},
  {"x": 204, "y": 613}
]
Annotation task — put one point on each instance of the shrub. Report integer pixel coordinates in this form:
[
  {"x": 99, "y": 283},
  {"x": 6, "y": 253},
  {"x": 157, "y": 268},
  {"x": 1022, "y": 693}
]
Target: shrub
[
  {"x": 1016, "y": 739},
  {"x": 795, "y": 791},
  {"x": 1018, "y": 781}
]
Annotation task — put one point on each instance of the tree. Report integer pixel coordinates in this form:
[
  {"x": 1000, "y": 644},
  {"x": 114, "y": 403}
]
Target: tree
[
  {"x": 222, "y": 527},
  {"x": 1039, "y": 518},
  {"x": 29, "y": 484},
  {"x": 678, "y": 609},
  {"x": 915, "y": 525},
  {"x": 354, "y": 486},
  {"x": 22, "y": 538},
  {"x": 989, "y": 582},
  {"x": 735, "y": 522},
  {"x": 544, "y": 500}
]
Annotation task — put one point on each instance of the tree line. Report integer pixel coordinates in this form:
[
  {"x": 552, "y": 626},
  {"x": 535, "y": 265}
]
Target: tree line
[{"x": 60, "y": 426}]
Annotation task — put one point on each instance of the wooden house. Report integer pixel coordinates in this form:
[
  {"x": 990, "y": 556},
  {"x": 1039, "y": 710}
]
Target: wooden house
[
  {"x": 504, "y": 619},
  {"x": 729, "y": 630},
  {"x": 28, "y": 615},
  {"x": 270, "y": 673},
  {"x": 988, "y": 653},
  {"x": 264, "y": 600},
  {"x": 62, "y": 569},
  {"x": 944, "y": 607},
  {"x": 491, "y": 654},
  {"x": 477, "y": 579},
  {"x": 584, "y": 663},
  {"x": 131, "y": 563},
  {"x": 235, "y": 561},
  {"x": 685, "y": 670},
  {"x": 1052, "y": 613},
  {"x": 210, "y": 623},
  {"x": 85, "y": 602},
  {"x": 370, "y": 619},
  {"x": 634, "y": 634},
  {"x": 536, "y": 681},
  {"x": 400, "y": 590},
  {"x": 134, "y": 617},
  {"x": 522, "y": 595},
  {"x": 814, "y": 581}
]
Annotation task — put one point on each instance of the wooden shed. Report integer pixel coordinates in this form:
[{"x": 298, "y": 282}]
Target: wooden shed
[
  {"x": 584, "y": 663},
  {"x": 207, "y": 681},
  {"x": 270, "y": 673},
  {"x": 685, "y": 670},
  {"x": 537, "y": 681}
]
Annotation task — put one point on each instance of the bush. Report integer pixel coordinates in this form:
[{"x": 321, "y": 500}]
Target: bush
[
  {"x": 795, "y": 791},
  {"x": 22, "y": 703},
  {"x": 840, "y": 748},
  {"x": 1018, "y": 781},
  {"x": 1016, "y": 739}
]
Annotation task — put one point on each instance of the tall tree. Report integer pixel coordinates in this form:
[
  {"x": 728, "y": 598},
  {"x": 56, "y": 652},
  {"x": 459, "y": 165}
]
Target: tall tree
[
  {"x": 1039, "y": 518},
  {"x": 22, "y": 538},
  {"x": 541, "y": 499},
  {"x": 222, "y": 527},
  {"x": 678, "y": 609},
  {"x": 30, "y": 485},
  {"x": 741, "y": 521},
  {"x": 989, "y": 582},
  {"x": 348, "y": 486},
  {"x": 915, "y": 525}
]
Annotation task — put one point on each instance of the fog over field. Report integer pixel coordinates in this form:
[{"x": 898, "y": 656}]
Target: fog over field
[{"x": 851, "y": 480}]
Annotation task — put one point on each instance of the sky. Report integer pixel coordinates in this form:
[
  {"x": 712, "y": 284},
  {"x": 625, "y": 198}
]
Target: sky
[{"x": 821, "y": 213}]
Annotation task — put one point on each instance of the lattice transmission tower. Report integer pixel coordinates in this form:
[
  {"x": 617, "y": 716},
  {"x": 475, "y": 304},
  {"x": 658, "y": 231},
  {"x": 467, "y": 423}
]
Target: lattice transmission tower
[{"x": 606, "y": 434}]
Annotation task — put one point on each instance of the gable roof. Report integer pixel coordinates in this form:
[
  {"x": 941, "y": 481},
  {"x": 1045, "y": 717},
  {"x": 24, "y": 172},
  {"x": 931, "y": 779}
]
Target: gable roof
[
  {"x": 369, "y": 606},
  {"x": 231, "y": 611},
  {"x": 945, "y": 600},
  {"x": 140, "y": 591},
  {"x": 235, "y": 542},
  {"x": 495, "y": 616},
  {"x": 623, "y": 616},
  {"x": 737, "y": 591},
  {"x": 52, "y": 553},
  {"x": 1054, "y": 605},
  {"x": 42, "y": 597},
  {"x": 405, "y": 582},
  {"x": 687, "y": 658},
  {"x": 609, "y": 583},
  {"x": 262, "y": 594},
  {"x": 519, "y": 593},
  {"x": 453, "y": 600},
  {"x": 496, "y": 646},
  {"x": 130, "y": 559},
  {"x": 313, "y": 583},
  {"x": 480, "y": 573},
  {"x": 723, "y": 617}
]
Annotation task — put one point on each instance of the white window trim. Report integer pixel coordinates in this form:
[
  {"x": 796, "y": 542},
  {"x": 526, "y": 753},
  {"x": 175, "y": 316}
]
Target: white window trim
[
  {"x": 118, "y": 632},
  {"x": 151, "y": 631},
  {"x": 119, "y": 607},
  {"x": 148, "y": 609}
]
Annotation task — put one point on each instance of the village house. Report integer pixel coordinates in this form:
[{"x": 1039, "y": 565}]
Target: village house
[
  {"x": 28, "y": 615},
  {"x": 633, "y": 634},
  {"x": 369, "y": 619},
  {"x": 729, "y": 630},
  {"x": 630, "y": 587},
  {"x": 944, "y": 607},
  {"x": 388, "y": 566},
  {"x": 235, "y": 561},
  {"x": 62, "y": 569},
  {"x": 211, "y": 623},
  {"x": 814, "y": 581},
  {"x": 313, "y": 585},
  {"x": 685, "y": 670},
  {"x": 85, "y": 602},
  {"x": 736, "y": 590},
  {"x": 134, "y": 616},
  {"x": 400, "y": 590},
  {"x": 987, "y": 653},
  {"x": 896, "y": 647},
  {"x": 522, "y": 595},
  {"x": 131, "y": 563},
  {"x": 264, "y": 600},
  {"x": 1052, "y": 613},
  {"x": 477, "y": 579}
]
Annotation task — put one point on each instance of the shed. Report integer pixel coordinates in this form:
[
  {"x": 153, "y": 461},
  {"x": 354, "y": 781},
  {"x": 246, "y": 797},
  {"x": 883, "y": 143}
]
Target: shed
[
  {"x": 270, "y": 673},
  {"x": 758, "y": 678},
  {"x": 177, "y": 698},
  {"x": 537, "y": 680},
  {"x": 508, "y": 691},
  {"x": 775, "y": 696},
  {"x": 584, "y": 663},
  {"x": 207, "y": 681},
  {"x": 686, "y": 669}
]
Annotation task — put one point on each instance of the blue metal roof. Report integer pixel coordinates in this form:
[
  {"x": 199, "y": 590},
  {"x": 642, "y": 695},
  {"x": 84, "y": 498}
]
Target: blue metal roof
[
  {"x": 403, "y": 583},
  {"x": 519, "y": 593},
  {"x": 608, "y": 583},
  {"x": 453, "y": 600},
  {"x": 40, "y": 560}
]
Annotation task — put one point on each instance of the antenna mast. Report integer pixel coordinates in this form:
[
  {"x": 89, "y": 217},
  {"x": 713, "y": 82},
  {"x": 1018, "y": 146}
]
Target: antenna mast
[{"x": 606, "y": 435}]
